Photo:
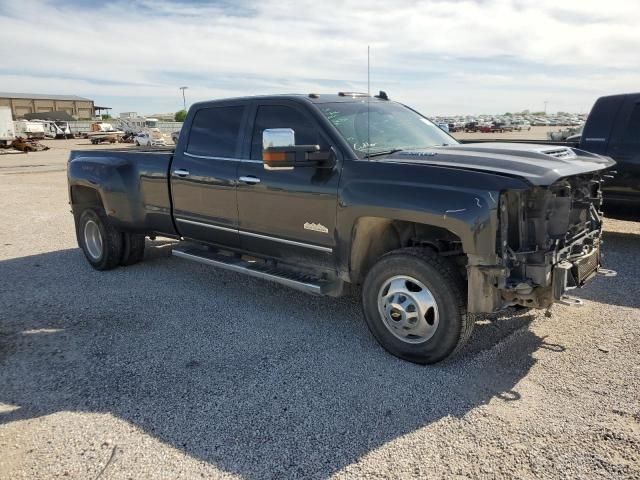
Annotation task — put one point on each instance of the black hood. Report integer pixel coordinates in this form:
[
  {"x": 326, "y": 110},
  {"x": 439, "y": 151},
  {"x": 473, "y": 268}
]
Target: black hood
[{"x": 538, "y": 164}]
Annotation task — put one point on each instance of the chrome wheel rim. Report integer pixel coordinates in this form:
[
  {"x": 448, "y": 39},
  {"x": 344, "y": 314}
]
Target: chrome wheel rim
[
  {"x": 408, "y": 309},
  {"x": 93, "y": 239}
]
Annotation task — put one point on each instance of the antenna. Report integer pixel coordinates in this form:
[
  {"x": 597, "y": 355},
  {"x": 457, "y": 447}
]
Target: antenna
[{"x": 368, "y": 99}]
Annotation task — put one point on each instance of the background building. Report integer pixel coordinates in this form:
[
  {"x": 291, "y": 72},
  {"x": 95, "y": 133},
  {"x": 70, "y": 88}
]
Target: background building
[{"x": 21, "y": 104}]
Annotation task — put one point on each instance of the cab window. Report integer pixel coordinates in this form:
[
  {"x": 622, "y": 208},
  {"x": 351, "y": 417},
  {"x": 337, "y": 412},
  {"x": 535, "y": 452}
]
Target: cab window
[
  {"x": 279, "y": 116},
  {"x": 632, "y": 132},
  {"x": 215, "y": 132}
]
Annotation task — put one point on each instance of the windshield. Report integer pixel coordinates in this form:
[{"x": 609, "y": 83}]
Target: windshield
[{"x": 391, "y": 127}]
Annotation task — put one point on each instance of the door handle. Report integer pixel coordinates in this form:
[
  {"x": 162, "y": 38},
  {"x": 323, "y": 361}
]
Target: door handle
[
  {"x": 181, "y": 173},
  {"x": 250, "y": 180}
]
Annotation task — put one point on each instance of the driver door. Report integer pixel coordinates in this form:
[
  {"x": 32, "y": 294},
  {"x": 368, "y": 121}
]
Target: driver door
[{"x": 289, "y": 215}]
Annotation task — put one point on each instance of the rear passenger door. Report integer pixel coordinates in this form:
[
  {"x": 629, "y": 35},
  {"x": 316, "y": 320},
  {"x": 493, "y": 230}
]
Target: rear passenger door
[
  {"x": 624, "y": 148},
  {"x": 204, "y": 175}
]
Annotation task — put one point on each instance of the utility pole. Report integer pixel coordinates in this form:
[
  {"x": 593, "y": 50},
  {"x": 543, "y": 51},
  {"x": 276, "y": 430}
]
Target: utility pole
[
  {"x": 184, "y": 100},
  {"x": 545, "y": 106}
]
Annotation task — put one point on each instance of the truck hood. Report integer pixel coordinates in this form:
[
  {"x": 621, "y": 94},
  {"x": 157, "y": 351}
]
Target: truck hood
[{"x": 539, "y": 164}]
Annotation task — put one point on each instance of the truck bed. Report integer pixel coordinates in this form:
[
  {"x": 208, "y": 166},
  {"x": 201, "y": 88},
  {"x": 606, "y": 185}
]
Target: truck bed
[{"x": 138, "y": 197}]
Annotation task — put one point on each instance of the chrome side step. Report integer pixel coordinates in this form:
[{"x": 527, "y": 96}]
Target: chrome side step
[{"x": 295, "y": 280}]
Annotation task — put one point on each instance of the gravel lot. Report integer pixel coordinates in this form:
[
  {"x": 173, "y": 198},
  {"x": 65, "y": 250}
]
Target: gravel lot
[{"x": 169, "y": 369}]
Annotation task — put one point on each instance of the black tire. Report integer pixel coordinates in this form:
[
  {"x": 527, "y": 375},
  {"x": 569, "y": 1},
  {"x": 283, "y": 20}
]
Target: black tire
[
  {"x": 132, "y": 248},
  {"x": 111, "y": 238},
  {"x": 447, "y": 288}
]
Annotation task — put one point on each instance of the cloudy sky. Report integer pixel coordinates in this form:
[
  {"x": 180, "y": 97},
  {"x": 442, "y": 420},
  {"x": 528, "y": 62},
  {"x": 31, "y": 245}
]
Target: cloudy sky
[{"x": 441, "y": 56}]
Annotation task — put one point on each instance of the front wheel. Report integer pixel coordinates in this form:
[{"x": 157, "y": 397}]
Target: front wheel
[
  {"x": 414, "y": 305},
  {"x": 99, "y": 240}
]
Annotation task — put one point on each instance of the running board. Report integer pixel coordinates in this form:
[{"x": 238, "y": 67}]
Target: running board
[{"x": 299, "y": 281}]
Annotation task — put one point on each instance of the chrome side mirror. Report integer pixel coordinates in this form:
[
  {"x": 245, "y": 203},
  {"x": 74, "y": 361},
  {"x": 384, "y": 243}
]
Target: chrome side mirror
[
  {"x": 275, "y": 141},
  {"x": 278, "y": 138},
  {"x": 280, "y": 152}
]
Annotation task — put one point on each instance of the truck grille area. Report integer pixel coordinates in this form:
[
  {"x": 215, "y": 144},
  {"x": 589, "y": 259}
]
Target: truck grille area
[
  {"x": 544, "y": 226},
  {"x": 586, "y": 266}
]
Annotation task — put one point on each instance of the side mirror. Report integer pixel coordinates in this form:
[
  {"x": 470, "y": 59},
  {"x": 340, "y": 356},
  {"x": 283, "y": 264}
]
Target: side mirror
[{"x": 280, "y": 152}]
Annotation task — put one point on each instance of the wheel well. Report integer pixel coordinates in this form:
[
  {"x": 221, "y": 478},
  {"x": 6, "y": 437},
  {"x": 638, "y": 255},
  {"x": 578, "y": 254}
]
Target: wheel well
[
  {"x": 83, "y": 197},
  {"x": 374, "y": 236}
]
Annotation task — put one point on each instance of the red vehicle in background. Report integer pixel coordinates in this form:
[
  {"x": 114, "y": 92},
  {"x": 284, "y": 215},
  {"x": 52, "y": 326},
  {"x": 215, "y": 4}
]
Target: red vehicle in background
[{"x": 494, "y": 127}]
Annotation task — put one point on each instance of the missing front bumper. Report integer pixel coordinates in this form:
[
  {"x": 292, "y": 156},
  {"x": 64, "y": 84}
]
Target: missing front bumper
[
  {"x": 568, "y": 275},
  {"x": 486, "y": 295}
]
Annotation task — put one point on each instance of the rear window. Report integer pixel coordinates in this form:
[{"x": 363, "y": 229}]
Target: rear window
[
  {"x": 596, "y": 132},
  {"x": 215, "y": 132},
  {"x": 632, "y": 132}
]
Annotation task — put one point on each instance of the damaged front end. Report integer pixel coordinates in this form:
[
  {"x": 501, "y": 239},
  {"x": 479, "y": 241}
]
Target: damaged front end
[{"x": 548, "y": 242}]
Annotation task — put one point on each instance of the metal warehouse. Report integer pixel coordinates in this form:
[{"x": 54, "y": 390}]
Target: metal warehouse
[{"x": 23, "y": 103}]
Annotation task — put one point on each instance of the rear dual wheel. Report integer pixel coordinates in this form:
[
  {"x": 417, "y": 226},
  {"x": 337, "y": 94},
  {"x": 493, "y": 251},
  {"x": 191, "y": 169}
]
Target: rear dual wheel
[
  {"x": 103, "y": 245},
  {"x": 132, "y": 248}
]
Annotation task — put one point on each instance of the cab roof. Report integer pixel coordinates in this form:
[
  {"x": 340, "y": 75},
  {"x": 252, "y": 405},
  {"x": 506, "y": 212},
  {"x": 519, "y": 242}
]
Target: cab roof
[{"x": 317, "y": 98}]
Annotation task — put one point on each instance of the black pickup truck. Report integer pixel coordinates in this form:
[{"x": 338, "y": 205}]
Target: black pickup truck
[
  {"x": 320, "y": 192},
  {"x": 613, "y": 129}
]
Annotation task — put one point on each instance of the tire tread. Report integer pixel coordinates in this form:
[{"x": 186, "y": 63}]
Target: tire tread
[
  {"x": 455, "y": 284},
  {"x": 454, "y": 279},
  {"x": 132, "y": 248},
  {"x": 112, "y": 243}
]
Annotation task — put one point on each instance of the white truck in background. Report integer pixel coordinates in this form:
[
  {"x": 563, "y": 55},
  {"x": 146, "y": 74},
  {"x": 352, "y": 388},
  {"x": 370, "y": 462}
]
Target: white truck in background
[
  {"x": 29, "y": 129},
  {"x": 56, "y": 128},
  {"x": 7, "y": 130}
]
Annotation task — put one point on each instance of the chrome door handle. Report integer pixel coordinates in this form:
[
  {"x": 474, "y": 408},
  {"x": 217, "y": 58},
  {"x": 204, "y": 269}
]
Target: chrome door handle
[
  {"x": 181, "y": 173},
  {"x": 250, "y": 180}
]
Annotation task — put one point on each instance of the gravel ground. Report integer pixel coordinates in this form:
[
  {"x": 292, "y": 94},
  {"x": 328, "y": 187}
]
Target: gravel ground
[{"x": 170, "y": 369}]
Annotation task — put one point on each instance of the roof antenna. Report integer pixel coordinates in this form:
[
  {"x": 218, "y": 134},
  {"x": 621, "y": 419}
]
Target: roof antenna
[{"x": 368, "y": 100}]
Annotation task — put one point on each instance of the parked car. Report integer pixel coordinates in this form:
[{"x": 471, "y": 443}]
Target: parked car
[
  {"x": 150, "y": 138},
  {"x": 521, "y": 125},
  {"x": 491, "y": 127},
  {"x": 540, "y": 123},
  {"x": 471, "y": 127},
  {"x": 444, "y": 127},
  {"x": 319, "y": 192}
]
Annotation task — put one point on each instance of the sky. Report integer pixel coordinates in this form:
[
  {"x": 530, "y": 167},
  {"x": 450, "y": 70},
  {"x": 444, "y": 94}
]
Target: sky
[{"x": 439, "y": 56}]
